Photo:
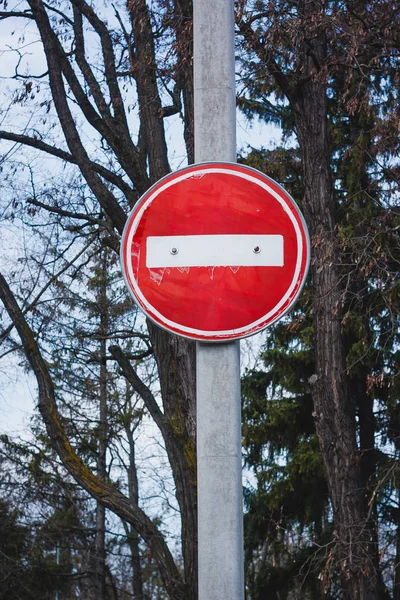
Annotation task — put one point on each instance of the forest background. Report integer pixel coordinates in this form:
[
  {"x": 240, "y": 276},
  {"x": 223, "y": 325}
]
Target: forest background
[{"x": 99, "y": 499}]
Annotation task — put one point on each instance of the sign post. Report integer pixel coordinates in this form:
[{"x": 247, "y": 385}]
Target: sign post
[{"x": 219, "y": 449}]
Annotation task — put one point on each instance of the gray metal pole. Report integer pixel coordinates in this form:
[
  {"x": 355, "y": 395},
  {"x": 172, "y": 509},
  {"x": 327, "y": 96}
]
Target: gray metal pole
[
  {"x": 219, "y": 463},
  {"x": 214, "y": 81}
]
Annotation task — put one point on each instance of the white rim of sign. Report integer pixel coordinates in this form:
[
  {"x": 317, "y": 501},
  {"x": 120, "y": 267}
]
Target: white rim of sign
[{"x": 208, "y": 168}]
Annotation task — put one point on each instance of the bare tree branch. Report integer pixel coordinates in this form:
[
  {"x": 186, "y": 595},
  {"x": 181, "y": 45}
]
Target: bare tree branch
[
  {"x": 51, "y": 48},
  {"x": 86, "y": 69},
  {"x": 64, "y": 213},
  {"x": 139, "y": 387},
  {"x": 109, "y": 59},
  {"x": 108, "y": 175},
  {"x": 4, "y": 14}
]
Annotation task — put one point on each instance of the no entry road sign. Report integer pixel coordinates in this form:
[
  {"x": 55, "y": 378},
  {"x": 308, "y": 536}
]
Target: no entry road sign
[{"x": 215, "y": 251}]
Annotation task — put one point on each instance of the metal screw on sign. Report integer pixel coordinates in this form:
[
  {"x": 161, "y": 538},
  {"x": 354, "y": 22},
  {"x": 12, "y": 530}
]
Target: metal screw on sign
[
  {"x": 174, "y": 250},
  {"x": 256, "y": 249}
]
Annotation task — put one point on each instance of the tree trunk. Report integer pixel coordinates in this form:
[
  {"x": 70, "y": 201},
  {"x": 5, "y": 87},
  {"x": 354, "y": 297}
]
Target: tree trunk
[
  {"x": 176, "y": 366},
  {"x": 175, "y": 356},
  {"x": 100, "y": 539},
  {"x": 150, "y": 108},
  {"x": 333, "y": 406},
  {"x": 183, "y": 26},
  {"x": 132, "y": 535},
  {"x": 396, "y": 588}
]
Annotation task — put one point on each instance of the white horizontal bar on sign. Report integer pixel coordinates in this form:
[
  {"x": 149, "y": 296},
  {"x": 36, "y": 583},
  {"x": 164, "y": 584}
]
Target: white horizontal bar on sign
[{"x": 214, "y": 251}]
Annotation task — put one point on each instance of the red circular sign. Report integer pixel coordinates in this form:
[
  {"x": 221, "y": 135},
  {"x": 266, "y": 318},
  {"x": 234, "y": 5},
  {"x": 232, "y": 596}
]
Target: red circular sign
[{"x": 215, "y": 251}]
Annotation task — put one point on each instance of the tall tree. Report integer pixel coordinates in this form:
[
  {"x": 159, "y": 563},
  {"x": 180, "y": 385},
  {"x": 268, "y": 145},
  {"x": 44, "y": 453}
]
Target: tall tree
[
  {"x": 324, "y": 82},
  {"x": 128, "y": 57}
]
